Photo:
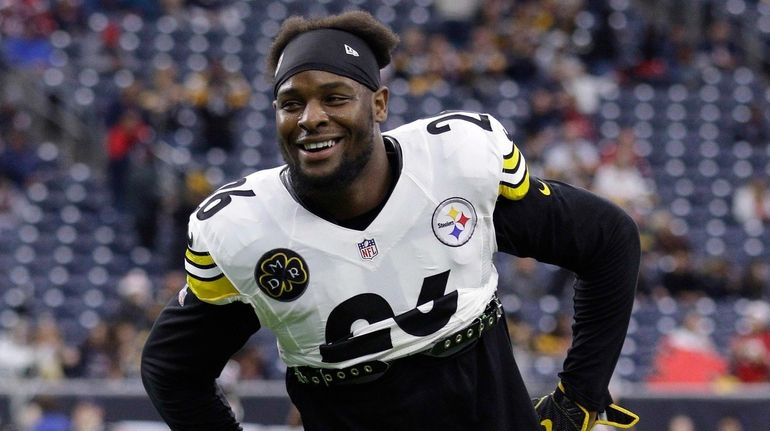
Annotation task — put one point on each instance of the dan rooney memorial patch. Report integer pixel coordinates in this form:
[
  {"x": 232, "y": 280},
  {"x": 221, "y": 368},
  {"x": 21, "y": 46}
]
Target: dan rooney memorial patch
[
  {"x": 454, "y": 221},
  {"x": 282, "y": 274}
]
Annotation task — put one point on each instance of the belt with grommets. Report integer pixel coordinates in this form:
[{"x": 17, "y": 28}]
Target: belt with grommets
[{"x": 371, "y": 370}]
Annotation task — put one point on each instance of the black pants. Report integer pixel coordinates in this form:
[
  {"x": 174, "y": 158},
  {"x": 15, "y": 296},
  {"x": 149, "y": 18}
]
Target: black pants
[{"x": 477, "y": 389}]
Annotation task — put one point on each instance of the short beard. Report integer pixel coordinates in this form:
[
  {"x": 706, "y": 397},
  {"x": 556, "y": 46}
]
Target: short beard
[{"x": 342, "y": 177}]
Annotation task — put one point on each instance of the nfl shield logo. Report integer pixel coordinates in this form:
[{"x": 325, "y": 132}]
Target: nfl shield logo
[{"x": 367, "y": 248}]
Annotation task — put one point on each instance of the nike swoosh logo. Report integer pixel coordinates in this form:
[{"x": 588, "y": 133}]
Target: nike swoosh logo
[
  {"x": 546, "y": 423},
  {"x": 546, "y": 191}
]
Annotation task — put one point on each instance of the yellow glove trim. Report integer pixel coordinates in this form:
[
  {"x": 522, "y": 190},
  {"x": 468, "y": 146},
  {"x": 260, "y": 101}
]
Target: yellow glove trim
[
  {"x": 634, "y": 416},
  {"x": 586, "y": 414}
]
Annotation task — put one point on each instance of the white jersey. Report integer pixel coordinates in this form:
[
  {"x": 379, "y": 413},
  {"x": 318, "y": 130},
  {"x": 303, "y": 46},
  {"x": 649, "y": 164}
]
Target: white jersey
[{"x": 334, "y": 296}]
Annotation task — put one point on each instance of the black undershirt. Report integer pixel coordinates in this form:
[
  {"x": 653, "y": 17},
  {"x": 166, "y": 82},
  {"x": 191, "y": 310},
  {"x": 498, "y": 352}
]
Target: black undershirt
[{"x": 579, "y": 231}]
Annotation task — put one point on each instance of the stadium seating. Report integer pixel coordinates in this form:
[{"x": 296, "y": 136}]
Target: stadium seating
[{"x": 72, "y": 247}]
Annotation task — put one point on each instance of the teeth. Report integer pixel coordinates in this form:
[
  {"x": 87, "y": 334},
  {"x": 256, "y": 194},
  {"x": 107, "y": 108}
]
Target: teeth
[{"x": 319, "y": 145}]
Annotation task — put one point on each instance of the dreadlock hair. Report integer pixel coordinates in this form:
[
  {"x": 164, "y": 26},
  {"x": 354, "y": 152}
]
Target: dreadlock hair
[{"x": 380, "y": 39}]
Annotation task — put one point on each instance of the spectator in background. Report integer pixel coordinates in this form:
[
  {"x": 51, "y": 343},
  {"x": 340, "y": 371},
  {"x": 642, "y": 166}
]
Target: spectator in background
[
  {"x": 13, "y": 203},
  {"x": 620, "y": 179},
  {"x": 651, "y": 66},
  {"x": 129, "y": 132},
  {"x": 17, "y": 357},
  {"x": 540, "y": 128},
  {"x": 681, "y": 55},
  {"x": 426, "y": 61},
  {"x": 754, "y": 129},
  {"x": 97, "y": 354},
  {"x": 659, "y": 245},
  {"x": 572, "y": 158},
  {"x": 666, "y": 55},
  {"x": 687, "y": 355},
  {"x": 750, "y": 351},
  {"x": 227, "y": 382},
  {"x": 719, "y": 48},
  {"x": 18, "y": 160},
  {"x": 483, "y": 62},
  {"x": 252, "y": 362},
  {"x": 143, "y": 196},
  {"x": 127, "y": 99},
  {"x": 51, "y": 416},
  {"x": 444, "y": 62},
  {"x": 164, "y": 97},
  {"x": 218, "y": 95},
  {"x": 495, "y": 14},
  {"x": 544, "y": 112},
  {"x": 129, "y": 340},
  {"x": 455, "y": 17},
  {"x": 754, "y": 282},
  {"x": 625, "y": 145},
  {"x": 524, "y": 277},
  {"x": 193, "y": 188},
  {"x": 661, "y": 238},
  {"x": 411, "y": 60},
  {"x": 519, "y": 50},
  {"x": 682, "y": 279},
  {"x": 51, "y": 354},
  {"x": 293, "y": 418},
  {"x": 751, "y": 201},
  {"x": 8, "y": 113},
  {"x": 169, "y": 289},
  {"x": 112, "y": 56},
  {"x": 585, "y": 89},
  {"x": 718, "y": 276},
  {"x": 729, "y": 423},
  {"x": 88, "y": 416},
  {"x": 135, "y": 290},
  {"x": 100, "y": 49},
  {"x": 69, "y": 16},
  {"x": 26, "y": 27},
  {"x": 681, "y": 422},
  {"x": 556, "y": 340}
]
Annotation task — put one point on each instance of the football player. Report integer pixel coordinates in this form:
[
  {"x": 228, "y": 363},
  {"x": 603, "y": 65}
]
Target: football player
[{"x": 369, "y": 255}]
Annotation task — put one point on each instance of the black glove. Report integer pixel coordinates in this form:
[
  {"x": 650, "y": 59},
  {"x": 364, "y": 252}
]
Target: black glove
[{"x": 559, "y": 413}]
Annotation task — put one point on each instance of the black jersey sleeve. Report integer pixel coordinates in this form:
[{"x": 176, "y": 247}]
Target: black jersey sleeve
[
  {"x": 185, "y": 352},
  {"x": 586, "y": 234}
]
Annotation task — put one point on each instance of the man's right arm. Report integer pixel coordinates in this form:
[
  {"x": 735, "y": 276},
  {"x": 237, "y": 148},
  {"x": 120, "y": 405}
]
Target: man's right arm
[{"x": 185, "y": 353}]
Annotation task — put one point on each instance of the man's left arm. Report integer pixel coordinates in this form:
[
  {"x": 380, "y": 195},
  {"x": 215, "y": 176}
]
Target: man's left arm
[{"x": 577, "y": 230}]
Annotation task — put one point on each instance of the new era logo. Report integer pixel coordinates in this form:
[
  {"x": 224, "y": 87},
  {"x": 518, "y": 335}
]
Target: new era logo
[{"x": 350, "y": 51}]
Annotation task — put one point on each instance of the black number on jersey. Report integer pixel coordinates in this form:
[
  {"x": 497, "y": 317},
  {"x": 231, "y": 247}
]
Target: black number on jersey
[
  {"x": 342, "y": 345},
  {"x": 222, "y": 199},
  {"x": 482, "y": 121}
]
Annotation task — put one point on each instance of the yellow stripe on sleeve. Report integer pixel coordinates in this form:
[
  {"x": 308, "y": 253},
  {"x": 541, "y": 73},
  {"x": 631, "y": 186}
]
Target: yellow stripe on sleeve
[
  {"x": 205, "y": 279},
  {"x": 201, "y": 260},
  {"x": 214, "y": 291},
  {"x": 514, "y": 182}
]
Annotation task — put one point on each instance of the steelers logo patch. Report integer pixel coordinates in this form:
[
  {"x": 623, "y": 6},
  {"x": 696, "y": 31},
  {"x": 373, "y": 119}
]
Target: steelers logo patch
[
  {"x": 282, "y": 274},
  {"x": 454, "y": 221}
]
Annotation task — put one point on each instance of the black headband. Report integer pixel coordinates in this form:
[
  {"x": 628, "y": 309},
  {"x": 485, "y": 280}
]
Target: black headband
[{"x": 330, "y": 50}]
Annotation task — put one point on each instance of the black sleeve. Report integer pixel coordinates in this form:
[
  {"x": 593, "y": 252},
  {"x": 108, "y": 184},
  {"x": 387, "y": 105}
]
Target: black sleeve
[
  {"x": 577, "y": 230},
  {"x": 186, "y": 350}
]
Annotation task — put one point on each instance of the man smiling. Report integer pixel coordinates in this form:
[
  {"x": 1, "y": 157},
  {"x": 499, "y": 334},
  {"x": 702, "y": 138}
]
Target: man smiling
[
  {"x": 369, "y": 255},
  {"x": 326, "y": 128}
]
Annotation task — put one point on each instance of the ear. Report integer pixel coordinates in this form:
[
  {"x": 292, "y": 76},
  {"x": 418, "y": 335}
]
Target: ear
[
  {"x": 275, "y": 104},
  {"x": 380, "y": 104}
]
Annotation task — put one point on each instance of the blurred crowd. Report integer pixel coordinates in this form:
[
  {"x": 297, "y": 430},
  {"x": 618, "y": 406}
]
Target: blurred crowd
[{"x": 566, "y": 53}]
